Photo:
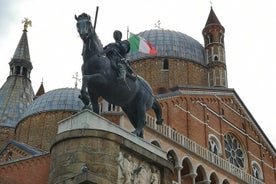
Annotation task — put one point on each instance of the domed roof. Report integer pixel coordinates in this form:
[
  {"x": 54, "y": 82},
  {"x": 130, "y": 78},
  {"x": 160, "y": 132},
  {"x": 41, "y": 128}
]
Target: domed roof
[
  {"x": 58, "y": 99},
  {"x": 171, "y": 44}
]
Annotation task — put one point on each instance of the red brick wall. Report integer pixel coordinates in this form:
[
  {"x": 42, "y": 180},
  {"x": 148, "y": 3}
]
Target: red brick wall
[
  {"x": 213, "y": 113},
  {"x": 180, "y": 72},
  {"x": 40, "y": 129},
  {"x": 30, "y": 171}
]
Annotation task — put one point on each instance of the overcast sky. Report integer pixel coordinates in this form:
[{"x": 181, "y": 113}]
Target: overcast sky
[{"x": 55, "y": 47}]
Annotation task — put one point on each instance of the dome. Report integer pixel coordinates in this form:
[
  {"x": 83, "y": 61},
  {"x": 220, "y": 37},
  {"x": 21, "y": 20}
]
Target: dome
[
  {"x": 171, "y": 44},
  {"x": 65, "y": 99}
]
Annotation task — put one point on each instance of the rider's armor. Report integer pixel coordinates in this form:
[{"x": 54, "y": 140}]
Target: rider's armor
[{"x": 116, "y": 52}]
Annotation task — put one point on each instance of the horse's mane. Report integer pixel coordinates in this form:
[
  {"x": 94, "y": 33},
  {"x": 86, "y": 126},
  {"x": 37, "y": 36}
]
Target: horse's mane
[{"x": 84, "y": 15}]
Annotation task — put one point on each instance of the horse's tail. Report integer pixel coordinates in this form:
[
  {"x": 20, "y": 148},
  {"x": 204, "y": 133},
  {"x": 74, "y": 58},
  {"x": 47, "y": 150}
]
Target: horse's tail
[{"x": 158, "y": 111}]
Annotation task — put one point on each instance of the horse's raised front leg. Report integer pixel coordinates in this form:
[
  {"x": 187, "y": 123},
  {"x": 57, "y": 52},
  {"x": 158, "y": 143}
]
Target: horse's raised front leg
[
  {"x": 158, "y": 111},
  {"x": 84, "y": 95}
]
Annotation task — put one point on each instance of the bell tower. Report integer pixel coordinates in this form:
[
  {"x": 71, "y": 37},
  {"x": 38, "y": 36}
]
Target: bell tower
[
  {"x": 213, "y": 34},
  {"x": 17, "y": 92},
  {"x": 20, "y": 64}
]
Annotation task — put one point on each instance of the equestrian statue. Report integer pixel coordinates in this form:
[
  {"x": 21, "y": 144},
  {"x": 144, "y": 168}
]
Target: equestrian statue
[{"x": 106, "y": 73}]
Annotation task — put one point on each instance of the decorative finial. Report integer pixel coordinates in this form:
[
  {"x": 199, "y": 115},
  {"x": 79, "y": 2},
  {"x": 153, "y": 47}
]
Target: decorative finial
[
  {"x": 76, "y": 79},
  {"x": 27, "y": 23},
  {"x": 157, "y": 25},
  {"x": 211, "y": 3}
]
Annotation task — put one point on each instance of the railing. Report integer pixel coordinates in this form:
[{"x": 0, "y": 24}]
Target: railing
[
  {"x": 201, "y": 151},
  {"x": 198, "y": 150},
  {"x": 106, "y": 107}
]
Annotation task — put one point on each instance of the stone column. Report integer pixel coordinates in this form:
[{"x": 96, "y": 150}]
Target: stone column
[
  {"x": 194, "y": 176},
  {"x": 191, "y": 177},
  {"x": 178, "y": 168}
]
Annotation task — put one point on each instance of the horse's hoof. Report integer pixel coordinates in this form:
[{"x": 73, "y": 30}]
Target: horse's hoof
[
  {"x": 159, "y": 121},
  {"x": 141, "y": 134},
  {"x": 134, "y": 132}
]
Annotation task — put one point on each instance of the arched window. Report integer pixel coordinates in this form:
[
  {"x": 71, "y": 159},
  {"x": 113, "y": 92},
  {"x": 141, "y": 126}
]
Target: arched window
[
  {"x": 17, "y": 70},
  {"x": 187, "y": 171},
  {"x": 222, "y": 111},
  {"x": 215, "y": 58},
  {"x": 222, "y": 39},
  {"x": 165, "y": 64},
  {"x": 210, "y": 38},
  {"x": 214, "y": 144},
  {"x": 214, "y": 179},
  {"x": 25, "y": 71},
  {"x": 172, "y": 158},
  {"x": 156, "y": 143},
  {"x": 225, "y": 181},
  {"x": 256, "y": 170},
  {"x": 200, "y": 175}
]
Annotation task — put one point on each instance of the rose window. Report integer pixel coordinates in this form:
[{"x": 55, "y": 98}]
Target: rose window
[{"x": 233, "y": 151}]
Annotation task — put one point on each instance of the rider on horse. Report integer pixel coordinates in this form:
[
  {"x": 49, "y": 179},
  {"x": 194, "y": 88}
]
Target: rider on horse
[
  {"x": 100, "y": 79},
  {"x": 117, "y": 52}
]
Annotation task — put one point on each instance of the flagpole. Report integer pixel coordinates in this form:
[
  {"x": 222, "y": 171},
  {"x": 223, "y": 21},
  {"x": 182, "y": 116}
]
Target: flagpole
[
  {"x": 127, "y": 32},
  {"x": 96, "y": 17}
]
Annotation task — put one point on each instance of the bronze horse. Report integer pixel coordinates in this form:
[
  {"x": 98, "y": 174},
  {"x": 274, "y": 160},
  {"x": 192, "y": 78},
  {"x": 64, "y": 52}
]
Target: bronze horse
[{"x": 135, "y": 97}]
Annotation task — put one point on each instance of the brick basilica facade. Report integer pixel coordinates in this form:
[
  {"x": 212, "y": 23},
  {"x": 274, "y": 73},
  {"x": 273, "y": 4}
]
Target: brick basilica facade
[{"x": 208, "y": 135}]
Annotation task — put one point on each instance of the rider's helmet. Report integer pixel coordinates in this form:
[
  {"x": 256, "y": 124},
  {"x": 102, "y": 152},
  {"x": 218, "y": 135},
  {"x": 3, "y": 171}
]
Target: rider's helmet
[{"x": 117, "y": 35}]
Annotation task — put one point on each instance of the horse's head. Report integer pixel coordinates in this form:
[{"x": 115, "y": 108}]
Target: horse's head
[
  {"x": 91, "y": 43},
  {"x": 84, "y": 25}
]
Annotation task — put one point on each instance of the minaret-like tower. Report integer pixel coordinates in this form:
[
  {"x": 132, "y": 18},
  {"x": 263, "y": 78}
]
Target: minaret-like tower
[
  {"x": 17, "y": 91},
  {"x": 213, "y": 34}
]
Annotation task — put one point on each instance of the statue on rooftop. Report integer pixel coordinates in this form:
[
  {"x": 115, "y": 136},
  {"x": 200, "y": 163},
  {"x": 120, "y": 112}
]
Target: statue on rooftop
[
  {"x": 27, "y": 23},
  {"x": 100, "y": 79}
]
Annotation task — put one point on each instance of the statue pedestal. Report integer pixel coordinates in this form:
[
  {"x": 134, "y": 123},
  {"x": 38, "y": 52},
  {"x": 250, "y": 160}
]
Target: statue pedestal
[{"x": 89, "y": 149}]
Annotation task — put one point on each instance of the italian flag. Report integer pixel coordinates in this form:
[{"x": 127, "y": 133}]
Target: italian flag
[{"x": 137, "y": 43}]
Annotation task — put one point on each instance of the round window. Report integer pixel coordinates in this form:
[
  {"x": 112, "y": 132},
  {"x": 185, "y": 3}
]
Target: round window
[{"x": 233, "y": 151}]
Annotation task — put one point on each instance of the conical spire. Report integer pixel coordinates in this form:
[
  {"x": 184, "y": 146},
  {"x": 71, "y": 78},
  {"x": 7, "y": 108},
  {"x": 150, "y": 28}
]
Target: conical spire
[
  {"x": 40, "y": 90},
  {"x": 22, "y": 50},
  {"x": 17, "y": 92},
  {"x": 212, "y": 18}
]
